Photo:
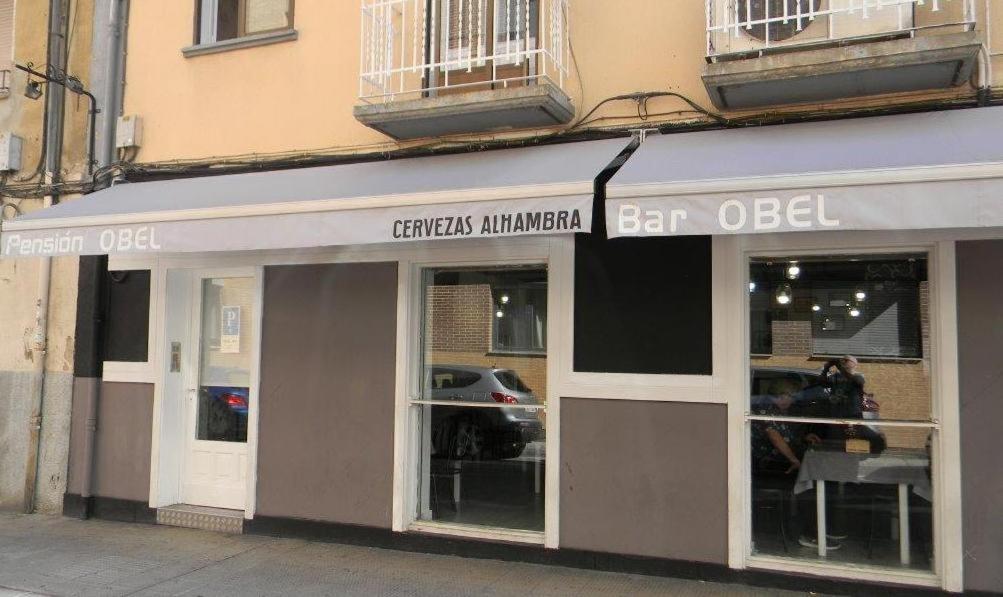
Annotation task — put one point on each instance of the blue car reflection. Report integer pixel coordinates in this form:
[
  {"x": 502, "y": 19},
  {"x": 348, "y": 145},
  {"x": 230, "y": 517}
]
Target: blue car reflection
[{"x": 234, "y": 398}]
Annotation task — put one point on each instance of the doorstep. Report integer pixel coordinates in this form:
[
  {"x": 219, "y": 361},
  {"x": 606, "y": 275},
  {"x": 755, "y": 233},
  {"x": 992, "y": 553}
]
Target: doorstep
[{"x": 202, "y": 517}]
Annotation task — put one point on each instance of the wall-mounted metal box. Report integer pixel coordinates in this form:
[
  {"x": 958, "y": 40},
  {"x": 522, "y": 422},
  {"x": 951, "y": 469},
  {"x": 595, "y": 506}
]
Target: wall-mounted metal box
[
  {"x": 10, "y": 152},
  {"x": 129, "y": 132}
]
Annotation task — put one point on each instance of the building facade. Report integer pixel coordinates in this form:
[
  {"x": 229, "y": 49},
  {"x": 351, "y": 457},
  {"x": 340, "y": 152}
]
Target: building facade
[
  {"x": 44, "y": 161},
  {"x": 702, "y": 290}
]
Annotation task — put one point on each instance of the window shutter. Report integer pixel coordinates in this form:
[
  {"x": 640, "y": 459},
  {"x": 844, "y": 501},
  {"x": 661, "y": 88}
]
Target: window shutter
[
  {"x": 511, "y": 30},
  {"x": 267, "y": 15},
  {"x": 464, "y": 24},
  {"x": 6, "y": 31}
]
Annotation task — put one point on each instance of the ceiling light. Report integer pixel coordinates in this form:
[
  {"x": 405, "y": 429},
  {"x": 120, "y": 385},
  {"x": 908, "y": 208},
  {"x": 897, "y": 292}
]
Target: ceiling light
[
  {"x": 499, "y": 314},
  {"x": 861, "y": 295},
  {"x": 816, "y": 308},
  {"x": 784, "y": 294},
  {"x": 504, "y": 299},
  {"x": 752, "y": 286},
  {"x": 854, "y": 312}
]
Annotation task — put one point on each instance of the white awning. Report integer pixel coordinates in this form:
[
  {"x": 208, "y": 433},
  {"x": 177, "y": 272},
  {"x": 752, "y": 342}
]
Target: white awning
[
  {"x": 534, "y": 190},
  {"x": 915, "y": 171}
]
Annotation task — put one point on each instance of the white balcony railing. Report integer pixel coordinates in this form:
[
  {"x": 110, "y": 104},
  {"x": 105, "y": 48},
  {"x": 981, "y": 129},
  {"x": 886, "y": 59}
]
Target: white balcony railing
[
  {"x": 418, "y": 48},
  {"x": 740, "y": 26}
]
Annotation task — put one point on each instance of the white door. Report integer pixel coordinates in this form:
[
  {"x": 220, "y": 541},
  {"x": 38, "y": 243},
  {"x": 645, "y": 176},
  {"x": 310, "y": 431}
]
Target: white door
[{"x": 221, "y": 401}]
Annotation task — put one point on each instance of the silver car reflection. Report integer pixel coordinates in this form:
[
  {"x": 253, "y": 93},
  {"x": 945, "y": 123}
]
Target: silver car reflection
[{"x": 477, "y": 433}]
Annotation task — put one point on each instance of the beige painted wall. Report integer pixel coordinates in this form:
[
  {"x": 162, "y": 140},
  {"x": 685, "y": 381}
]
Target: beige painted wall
[
  {"x": 298, "y": 95},
  {"x": 19, "y": 278}
]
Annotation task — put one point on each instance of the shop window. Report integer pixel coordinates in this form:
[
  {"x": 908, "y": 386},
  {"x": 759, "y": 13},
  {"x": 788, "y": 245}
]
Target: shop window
[
  {"x": 127, "y": 316},
  {"x": 643, "y": 305},
  {"x": 221, "y": 20},
  {"x": 481, "y": 414},
  {"x": 824, "y": 486}
]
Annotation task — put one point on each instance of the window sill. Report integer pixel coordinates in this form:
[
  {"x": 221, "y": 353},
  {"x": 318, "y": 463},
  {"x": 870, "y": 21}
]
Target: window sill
[
  {"x": 477, "y": 532},
  {"x": 248, "y": 41},
  {"x": 128, "y": 372},
  {"x": 517, "y": 353}
]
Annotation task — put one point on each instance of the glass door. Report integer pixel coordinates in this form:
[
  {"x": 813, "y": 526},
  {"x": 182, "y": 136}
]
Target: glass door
[{"x": 221, "y": 395}]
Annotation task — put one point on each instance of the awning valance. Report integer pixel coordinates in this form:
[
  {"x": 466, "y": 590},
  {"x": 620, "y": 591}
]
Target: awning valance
[
  {"x": 914, "y": 171},
  {"x": 533, "y": 190}
]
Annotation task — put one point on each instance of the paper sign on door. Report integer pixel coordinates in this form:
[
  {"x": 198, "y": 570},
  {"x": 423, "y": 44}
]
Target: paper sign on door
[{"x": 229, "y": 339}]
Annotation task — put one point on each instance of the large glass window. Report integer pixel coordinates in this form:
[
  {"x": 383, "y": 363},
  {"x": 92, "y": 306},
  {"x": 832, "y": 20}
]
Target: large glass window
[
  {"x": 481, "y": 413},
  {"x": 840, "y": 424}
]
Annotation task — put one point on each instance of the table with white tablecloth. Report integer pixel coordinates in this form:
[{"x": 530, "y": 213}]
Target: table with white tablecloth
[{"x": 905, "y": 468}]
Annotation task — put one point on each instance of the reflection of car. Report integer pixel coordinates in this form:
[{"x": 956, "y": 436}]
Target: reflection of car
[
  {"x": 812, "y": 397},
  {"x": 235, "y": 399},
  {"x": 223, "y": 413},
  {"x": 472, "y": 432}
]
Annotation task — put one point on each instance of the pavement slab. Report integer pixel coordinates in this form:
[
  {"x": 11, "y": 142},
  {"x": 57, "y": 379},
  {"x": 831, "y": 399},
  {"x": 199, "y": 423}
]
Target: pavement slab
[{"x": 48, "y": 555}]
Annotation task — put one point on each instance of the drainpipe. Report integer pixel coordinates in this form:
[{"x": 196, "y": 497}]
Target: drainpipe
[
  {"x": 114, "y": 75},
  {"x": 113, "y": 81},
  {"x": 54, "y": 104},
  {"x": 38, "y": 350}
]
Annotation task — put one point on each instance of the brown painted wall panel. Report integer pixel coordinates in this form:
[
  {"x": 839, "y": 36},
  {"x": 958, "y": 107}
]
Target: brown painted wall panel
[
  {"x": 121, "y": 443},
  {"x": 980, "y": 354},
  {"x": 82, "y": 387},
  {"x": 645, "y": 478},
  {"x": 325, "y": 440}
]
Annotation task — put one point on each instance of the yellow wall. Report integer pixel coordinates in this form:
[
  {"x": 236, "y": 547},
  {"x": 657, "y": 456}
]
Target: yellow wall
[
  {"x": 298, "y": 96},
  {"x": 19, "y": 278}
]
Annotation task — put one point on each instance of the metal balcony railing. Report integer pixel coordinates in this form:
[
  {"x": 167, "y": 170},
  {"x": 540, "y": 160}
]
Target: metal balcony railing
[
  {"x": 421, "y": 48},
  {"x": 744, "y": 26}
]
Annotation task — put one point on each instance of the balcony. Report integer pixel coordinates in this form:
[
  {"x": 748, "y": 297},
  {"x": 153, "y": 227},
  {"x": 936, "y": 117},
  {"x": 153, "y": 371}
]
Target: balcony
[
  {"x": 441, "y": 67},
  {"x": 774, "y": 52}
]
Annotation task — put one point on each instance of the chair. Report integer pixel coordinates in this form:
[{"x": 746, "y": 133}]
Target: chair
[
  {"x": 770, "y": 488},
  {"x": 446, "y": 469}
]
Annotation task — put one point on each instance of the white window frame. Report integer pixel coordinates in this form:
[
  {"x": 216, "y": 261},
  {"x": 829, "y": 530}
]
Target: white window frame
[
  {"x": 137, "y": 371},
  {"x": 208, "y": 16},
  {"x": 407, "y": 448},
  {"x": 732, "y": 279}
]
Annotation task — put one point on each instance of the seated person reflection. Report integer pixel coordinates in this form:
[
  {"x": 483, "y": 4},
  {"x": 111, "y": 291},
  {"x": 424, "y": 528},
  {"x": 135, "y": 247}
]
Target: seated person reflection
[
  {"x": 772, "y": 441},
  {"x": 777, "y": 450}
]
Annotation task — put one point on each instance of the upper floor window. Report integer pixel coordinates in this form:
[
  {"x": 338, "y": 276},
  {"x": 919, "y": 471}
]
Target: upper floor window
[
  {"x": 477, "y": 29},
  {"x": 221, "y": 20},
  {"x": 6, "y": 31}
]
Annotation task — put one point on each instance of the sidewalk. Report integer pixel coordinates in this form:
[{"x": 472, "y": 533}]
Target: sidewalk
[{"x": 61, "y": 556}]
